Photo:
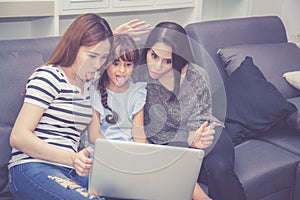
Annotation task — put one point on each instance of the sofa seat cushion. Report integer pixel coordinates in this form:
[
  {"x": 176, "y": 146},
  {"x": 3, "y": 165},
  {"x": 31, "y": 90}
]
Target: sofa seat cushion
[
  {"x": 278, "y": 195},
  {"x": 272, "y": 59},
  {"x": 285, "y": 138},
  {"x": 263, "y": 168}
]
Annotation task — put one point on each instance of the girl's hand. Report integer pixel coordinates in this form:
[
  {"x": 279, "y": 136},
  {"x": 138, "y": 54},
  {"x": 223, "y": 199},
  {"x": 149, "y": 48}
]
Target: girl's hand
[
  {"x": 204, "y": 136},
  {"x": 81, "y": 161},
  {"x": 133, "y": 28}
]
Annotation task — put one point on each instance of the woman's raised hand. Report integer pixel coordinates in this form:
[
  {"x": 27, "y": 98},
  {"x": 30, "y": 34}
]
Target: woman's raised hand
[
  {"x": 134, "y": 28},
  {"x": 204, "y": 136}
]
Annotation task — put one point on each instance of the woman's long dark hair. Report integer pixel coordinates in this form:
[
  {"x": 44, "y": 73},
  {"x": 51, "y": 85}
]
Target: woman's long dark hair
[
  {"x": 173, "y": 35},
  {"x": 123, "y": 48}
]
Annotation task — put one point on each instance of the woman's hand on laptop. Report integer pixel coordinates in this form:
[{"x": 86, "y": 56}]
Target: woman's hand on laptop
[
  {"x": 203, "y": 137},
  {"x": 82, "y": 162}
]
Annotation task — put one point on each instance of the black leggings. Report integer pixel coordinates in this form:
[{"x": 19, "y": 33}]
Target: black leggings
[{"x": 217, "y": 170}]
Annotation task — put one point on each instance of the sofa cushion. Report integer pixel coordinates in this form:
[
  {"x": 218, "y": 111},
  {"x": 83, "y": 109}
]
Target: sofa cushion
[
  {"x": 272, "y": 59},
  {"x": 253, "y": 104},
  {"x": 285, "y": 138},
  {"x": 15, "y": 68},
  {"x": 294, "y": 119},
  {"x": 264, "y": 168}
]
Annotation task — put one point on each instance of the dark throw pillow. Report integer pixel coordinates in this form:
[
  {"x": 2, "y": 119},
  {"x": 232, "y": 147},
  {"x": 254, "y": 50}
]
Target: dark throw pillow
[
  {"x": 273, "y": 59},
  {"x": 253, "y": 104}
]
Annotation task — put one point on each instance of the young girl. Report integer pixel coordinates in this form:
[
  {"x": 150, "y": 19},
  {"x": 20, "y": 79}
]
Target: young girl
[{"x": 117, "y": 101}]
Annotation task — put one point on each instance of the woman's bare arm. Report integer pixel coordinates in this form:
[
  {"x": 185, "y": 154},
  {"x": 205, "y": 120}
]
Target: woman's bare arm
[{"x": 23, "y": 139}]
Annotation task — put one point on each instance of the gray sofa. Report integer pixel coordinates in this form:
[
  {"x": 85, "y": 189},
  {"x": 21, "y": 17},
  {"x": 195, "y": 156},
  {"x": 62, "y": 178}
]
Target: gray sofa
[
  {"x": 267, "y": 162},
  {"x": 18, "y": 60},
  {"x": 268, "y": 166}
]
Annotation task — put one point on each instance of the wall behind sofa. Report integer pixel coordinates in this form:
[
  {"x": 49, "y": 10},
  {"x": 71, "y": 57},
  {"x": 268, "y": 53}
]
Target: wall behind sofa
[
  {"x": 23, "y": 18},
  {"x": 42, "y": 18},
  {"x": 287, "y": 10}
]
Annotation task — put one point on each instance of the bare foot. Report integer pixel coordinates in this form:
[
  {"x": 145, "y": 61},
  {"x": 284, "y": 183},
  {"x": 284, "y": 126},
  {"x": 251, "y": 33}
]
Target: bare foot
[{"x": 199, "y": 194}]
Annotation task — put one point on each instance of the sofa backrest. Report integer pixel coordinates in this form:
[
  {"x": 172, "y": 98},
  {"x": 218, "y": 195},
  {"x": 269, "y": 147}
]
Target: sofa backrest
[
  {"x": 18, "y": 60},
  {"x": 209, "y": 36},
  {"x": 43, "y": 46}
]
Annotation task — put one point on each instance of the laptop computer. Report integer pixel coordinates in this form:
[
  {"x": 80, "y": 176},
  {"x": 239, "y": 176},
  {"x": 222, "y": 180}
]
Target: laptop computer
[{"x": 129, "y": 170}]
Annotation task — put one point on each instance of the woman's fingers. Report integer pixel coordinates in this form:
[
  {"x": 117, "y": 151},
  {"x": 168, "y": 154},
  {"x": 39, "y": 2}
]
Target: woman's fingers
[
  {"x": 202, "y": 127},
  {"x": 204, "y": 135},
  {"x": 211, "y": 126},
  {"x": 134, "y": 28},
  {"x": 138, "y": 24},
  {"x": 82, "y": 162},
  {"x": 207, "y": 132}
]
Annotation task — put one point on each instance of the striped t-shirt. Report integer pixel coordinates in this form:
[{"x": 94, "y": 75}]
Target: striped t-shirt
[{"x": 67, "y": 111}]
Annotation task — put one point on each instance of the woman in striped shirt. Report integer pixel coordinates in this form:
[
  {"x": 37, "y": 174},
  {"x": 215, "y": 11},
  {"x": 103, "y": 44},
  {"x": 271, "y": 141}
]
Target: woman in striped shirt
[{"x": 46, "y": 163}]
